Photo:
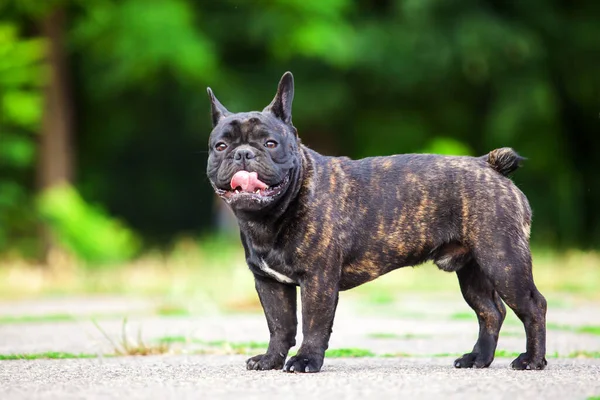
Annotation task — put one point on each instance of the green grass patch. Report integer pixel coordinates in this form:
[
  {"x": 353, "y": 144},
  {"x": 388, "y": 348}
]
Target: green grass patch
[
  {"x": 225, "y": 347},
  {"x": 53, "y": 355},
  {"x": 395, "y": 355},
  {"x": 559, "y": 327},
  {"x": 408, "y": 355},
  {"x": 19, "y": 319},
  {"x": 558, "y": 303},
  {"x": 244, "y": 348},
  {"x": 461, "y": 316},
  {"x": 382, "y": 335},
  {"x": 220, "y": 265},
  {"x": 499, "y": 354},
  {"x": 216, "y": 346},
  {"x": 584, "y": 354},
  {"x": 589, "y": 329},
  {"x": 127, "y": 347},
  {"x": 349, "y": 352},
  {"x": 222, "y": 347},
  {"x": 241, "y": 347},
  {"x": 507, "y": 354},
  {"x": 42, "y": 318},
  {"x": 174, "y": 339},
  {"x": 512, "y": 334},
  {"x": 407, "y": 336},
  {"x": 381, "y": 297},
  {"x": 170, "y": 310},
  {"x": 593, "y": 330}
]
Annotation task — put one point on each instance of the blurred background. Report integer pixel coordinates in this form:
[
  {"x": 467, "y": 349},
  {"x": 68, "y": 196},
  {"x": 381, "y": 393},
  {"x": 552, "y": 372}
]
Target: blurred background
[{"x": 104, "y": 122}]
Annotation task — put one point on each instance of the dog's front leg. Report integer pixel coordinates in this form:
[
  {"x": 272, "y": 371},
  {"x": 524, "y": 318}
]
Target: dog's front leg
[
  {"x": 319, "y": 296},
  {"x": 279, "y": 304}
]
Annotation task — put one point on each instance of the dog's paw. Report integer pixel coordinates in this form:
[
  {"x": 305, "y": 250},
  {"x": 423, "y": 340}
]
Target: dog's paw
[
  {"x": 304, "y": 363},
  {"x": 525, "y": 362},
  {"x": 473, "y": 360},
  {"x": 264, "y": 362}
]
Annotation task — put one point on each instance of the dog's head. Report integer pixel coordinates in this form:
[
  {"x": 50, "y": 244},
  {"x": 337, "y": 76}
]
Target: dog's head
[{"x": 253, "y": 156}]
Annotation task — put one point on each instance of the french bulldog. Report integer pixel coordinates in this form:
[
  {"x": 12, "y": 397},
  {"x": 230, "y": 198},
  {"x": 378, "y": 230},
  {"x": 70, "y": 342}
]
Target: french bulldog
[{"x": 327, "y": 224}]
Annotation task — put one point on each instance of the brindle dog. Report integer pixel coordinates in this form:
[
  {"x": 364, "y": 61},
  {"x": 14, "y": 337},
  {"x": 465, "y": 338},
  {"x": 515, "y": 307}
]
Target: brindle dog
[{"x": 327, "y": 224}]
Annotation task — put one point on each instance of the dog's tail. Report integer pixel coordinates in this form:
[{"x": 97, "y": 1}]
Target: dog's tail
[{"x": 504, "y": 160}]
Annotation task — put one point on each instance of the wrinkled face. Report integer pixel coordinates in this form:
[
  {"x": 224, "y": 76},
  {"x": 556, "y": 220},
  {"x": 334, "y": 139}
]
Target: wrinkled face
[
  {"x": 250, "y": 160},
  {"x": 253, "y": 155}
]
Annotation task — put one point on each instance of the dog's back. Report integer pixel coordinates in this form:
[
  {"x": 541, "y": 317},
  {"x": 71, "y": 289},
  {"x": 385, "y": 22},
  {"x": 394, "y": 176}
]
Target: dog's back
[{"x": 402, "y": 210}]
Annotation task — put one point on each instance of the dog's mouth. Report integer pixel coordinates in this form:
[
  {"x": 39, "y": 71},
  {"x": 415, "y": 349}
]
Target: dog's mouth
[{"x": 246, "y": 185}]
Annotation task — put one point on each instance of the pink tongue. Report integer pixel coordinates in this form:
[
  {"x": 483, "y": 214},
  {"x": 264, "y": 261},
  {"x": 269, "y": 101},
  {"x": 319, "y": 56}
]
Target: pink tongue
[{"x": 248, "y": 181}]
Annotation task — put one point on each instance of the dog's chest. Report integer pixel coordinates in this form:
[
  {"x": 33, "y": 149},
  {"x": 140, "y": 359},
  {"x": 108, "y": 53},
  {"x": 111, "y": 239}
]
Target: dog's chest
[
  {"x": 271, "y": 264},
  {"x": 264, "y": 266}
]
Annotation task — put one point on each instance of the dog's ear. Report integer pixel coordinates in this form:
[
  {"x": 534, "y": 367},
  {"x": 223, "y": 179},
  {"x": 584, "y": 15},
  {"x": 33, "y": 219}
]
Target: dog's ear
[
  {"x": 281, "y": 106},
  {"x": 218, "y": 111}
]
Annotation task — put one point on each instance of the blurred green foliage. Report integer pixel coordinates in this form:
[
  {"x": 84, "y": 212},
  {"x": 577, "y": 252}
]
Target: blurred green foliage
[
  {"x": 21, "y": 79},
  {"x": 373, "y": 77},
  {"x": 86, "y": 231}
]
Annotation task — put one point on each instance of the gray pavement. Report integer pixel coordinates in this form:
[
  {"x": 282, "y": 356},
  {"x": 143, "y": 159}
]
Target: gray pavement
[
  {"x": 222, "y": 377},
  {"x": 423, "y": 324}
]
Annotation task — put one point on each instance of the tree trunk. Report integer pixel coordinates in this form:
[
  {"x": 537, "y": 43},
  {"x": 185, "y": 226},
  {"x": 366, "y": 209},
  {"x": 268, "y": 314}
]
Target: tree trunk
[{"x": 55, "y": 152}]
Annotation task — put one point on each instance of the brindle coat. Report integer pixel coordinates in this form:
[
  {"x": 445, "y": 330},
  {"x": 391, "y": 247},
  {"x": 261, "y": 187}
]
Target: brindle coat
[{"x": 338, "y": 223}]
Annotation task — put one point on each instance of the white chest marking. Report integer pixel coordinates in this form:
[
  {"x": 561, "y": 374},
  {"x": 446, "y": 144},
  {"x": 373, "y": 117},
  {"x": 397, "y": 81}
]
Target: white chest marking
[{"x": 274, "y": 274}]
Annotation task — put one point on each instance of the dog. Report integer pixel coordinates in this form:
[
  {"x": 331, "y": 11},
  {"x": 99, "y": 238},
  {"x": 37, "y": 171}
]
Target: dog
[{"x": 327, "y": 224}]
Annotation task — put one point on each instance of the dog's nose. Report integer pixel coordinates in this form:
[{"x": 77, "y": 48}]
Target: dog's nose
[{"x": 244, "y": 153}]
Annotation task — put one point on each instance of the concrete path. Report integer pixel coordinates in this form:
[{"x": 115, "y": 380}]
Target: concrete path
[
  {"x": 222, "y": 377},
  {"x": 421, "y": 326}
]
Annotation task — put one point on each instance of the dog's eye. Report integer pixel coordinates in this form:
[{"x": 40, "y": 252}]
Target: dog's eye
[
  {"x": 220, "y": 146},
  {"x": 270, "y": 144}
]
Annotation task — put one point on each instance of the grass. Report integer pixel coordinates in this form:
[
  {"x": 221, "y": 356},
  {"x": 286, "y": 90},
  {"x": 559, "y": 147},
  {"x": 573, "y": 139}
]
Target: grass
[
  {"x": 572, "y": 272},
  {"x": 409, "y": 355},
  {"x": 174, "y": 339},
  {"x": 127, "y": 347},
  {"x": 191, "y": 272},
  {"x": 589, "y": 329},
  {"x": 461, "y": 316},
  {"x": 500, "y": 354},
  {"x": 593, "y": 330},
  {"x": 349, "y": 352},
  {"x": 381, "y": 297},
  {"x": 171, "y": 310},
  {"x": 52, "y": 355},
  {"x": 237, "y": 348},
  {"x": 222, "y": 347},
  {"x": 395, "y": 355},
  {"x": 249, "y": 348},
  {"x": 382, "y": 335},
  {"x": 212, "y": 343},
  {"x": 406, "y": 336},
  {"x": 10, "y": 319},
  {"x": 212, "y": 273},
  {"x": 507, "y": 354},
  {"x": 512, "y": 334},
  {"x": 584, "y": 354},
  {"x": 44, "y": 318},
  {"x": 215, "y": 346}
]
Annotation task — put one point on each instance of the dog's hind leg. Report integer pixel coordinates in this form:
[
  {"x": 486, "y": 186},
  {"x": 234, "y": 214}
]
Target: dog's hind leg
[
  {"x": 480, "y": 294},
  {"x": 509, "y": 269}
]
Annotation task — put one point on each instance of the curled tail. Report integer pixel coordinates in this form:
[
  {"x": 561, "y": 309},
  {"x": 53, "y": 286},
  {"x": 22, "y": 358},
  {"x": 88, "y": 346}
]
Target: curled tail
[{"x": 504, "y": 160}]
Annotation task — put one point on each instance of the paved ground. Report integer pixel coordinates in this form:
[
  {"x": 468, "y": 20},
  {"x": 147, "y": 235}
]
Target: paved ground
[
  {"x": 424, "y": 325},
  {"x": 220, "y": 377}
]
